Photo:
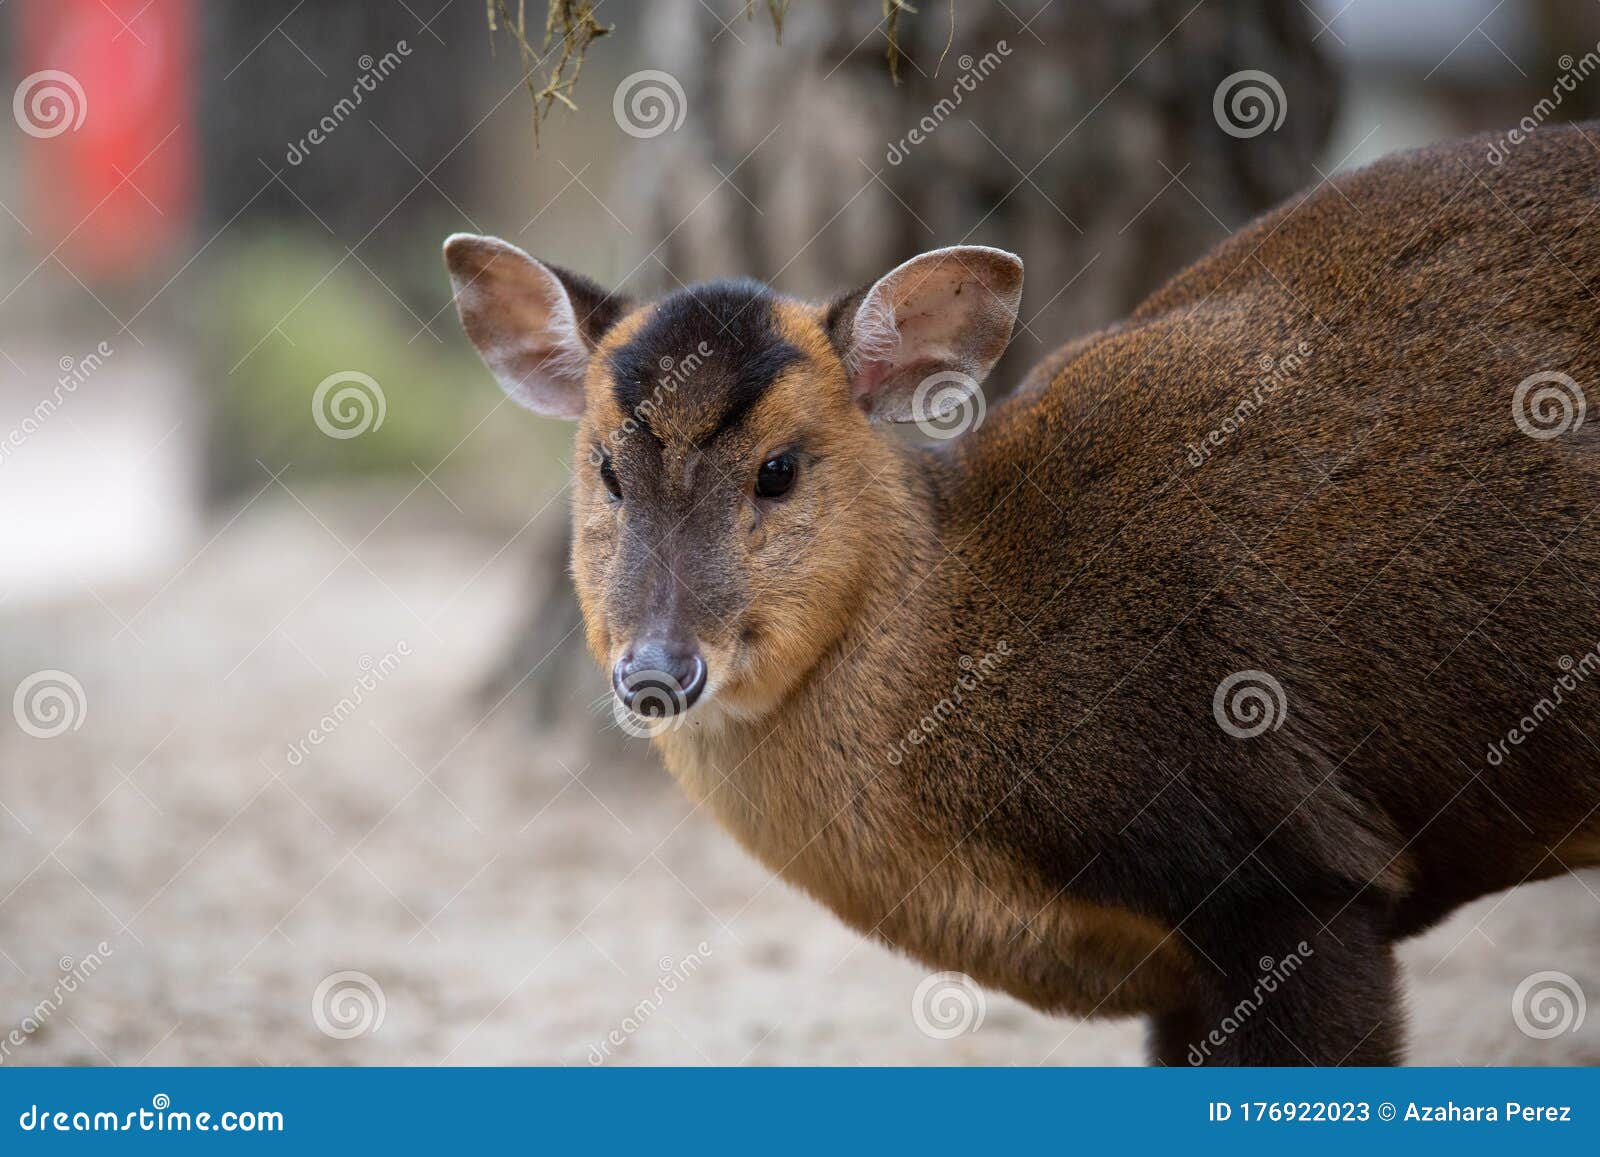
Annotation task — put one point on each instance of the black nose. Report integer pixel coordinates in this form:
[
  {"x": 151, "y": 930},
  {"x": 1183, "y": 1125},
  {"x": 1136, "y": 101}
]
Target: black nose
[{"x": 656, "y": 678}]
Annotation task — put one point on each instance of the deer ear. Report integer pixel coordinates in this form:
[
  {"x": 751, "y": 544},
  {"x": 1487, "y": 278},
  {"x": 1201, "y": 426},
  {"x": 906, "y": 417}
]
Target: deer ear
[
  {"x": 533, "y": 324},
  {"x": 947, "y": 312}
]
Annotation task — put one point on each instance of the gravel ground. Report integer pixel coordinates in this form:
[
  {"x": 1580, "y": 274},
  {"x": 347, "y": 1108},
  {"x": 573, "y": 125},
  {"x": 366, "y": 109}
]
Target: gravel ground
[{"x": 514, "y": 897}]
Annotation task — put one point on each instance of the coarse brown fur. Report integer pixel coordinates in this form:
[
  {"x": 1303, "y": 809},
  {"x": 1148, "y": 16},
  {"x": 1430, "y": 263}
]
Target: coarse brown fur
[{"x": 967, "y": 696}]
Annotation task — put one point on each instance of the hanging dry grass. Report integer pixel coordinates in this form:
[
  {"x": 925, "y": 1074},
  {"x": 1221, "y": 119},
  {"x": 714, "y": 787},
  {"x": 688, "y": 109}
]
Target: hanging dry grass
[
  {"x": 775, "y": 9},
  {"x": 569, "y": 23},
  {"x": 570, "y": 28}
]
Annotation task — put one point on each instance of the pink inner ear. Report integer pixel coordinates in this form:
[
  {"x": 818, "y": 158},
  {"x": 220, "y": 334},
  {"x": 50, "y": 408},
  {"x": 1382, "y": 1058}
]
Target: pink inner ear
[{"x": 867, "y": 379}]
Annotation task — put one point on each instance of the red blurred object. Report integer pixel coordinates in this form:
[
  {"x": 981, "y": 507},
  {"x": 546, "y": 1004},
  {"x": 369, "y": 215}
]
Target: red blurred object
[{"x": 106, "y": 93}]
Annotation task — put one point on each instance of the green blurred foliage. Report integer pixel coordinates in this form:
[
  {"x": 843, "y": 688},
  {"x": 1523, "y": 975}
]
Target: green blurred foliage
[{"x": 283, "y": 313}]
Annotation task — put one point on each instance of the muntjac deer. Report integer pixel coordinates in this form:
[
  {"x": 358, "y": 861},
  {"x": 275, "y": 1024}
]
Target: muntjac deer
[{"x": 1244, "y": 639}]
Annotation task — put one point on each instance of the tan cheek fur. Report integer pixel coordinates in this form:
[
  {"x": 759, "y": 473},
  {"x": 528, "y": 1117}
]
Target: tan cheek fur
[{"x": 806, "y": 557}]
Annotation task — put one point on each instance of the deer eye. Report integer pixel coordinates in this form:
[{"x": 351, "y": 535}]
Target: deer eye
[
  {"x": 776, "y": 476},
  {"x": 609, "y": 476}
]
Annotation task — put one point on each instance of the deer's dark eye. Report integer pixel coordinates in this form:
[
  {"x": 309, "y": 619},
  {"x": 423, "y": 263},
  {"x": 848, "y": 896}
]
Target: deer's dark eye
[
  {"x": 609, "y": 476},
  {"x": 776, "y": 476}
]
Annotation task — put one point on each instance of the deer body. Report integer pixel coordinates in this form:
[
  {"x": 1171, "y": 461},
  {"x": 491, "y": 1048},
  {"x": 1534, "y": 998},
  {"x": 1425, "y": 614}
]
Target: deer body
[{"x": 1308, "y": 471}]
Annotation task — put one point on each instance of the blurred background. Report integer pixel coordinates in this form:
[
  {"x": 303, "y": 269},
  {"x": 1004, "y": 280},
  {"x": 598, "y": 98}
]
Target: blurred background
[{"x": 306, "y": 762}]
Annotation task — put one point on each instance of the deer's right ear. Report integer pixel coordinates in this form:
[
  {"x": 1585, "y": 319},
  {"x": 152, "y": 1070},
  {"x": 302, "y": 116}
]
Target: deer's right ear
[
  {"x": 533, "y": 324},
  {"x": 945, "y": 316}
]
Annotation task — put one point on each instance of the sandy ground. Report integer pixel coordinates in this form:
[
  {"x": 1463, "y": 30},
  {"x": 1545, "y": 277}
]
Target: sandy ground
[{"x": 514, "y": 897}]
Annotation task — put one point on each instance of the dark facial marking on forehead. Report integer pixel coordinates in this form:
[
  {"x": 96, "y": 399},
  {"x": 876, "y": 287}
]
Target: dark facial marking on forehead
[{"x": 734, "y": 323}]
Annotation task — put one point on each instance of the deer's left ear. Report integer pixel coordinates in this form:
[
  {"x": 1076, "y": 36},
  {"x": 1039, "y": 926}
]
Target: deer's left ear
[
  {"x": 948, "y": 311},
  {"x": 535, "y": 325}
]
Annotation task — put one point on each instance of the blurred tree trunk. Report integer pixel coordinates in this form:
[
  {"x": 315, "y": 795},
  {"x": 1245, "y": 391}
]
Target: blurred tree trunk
[
  {"x": 1086, "y": 142},
  {"x": 1080, "y": 134}
]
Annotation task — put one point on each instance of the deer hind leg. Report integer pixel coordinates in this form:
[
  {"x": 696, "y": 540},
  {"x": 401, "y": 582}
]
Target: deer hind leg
[{"x": 1337, "y": 1003}]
